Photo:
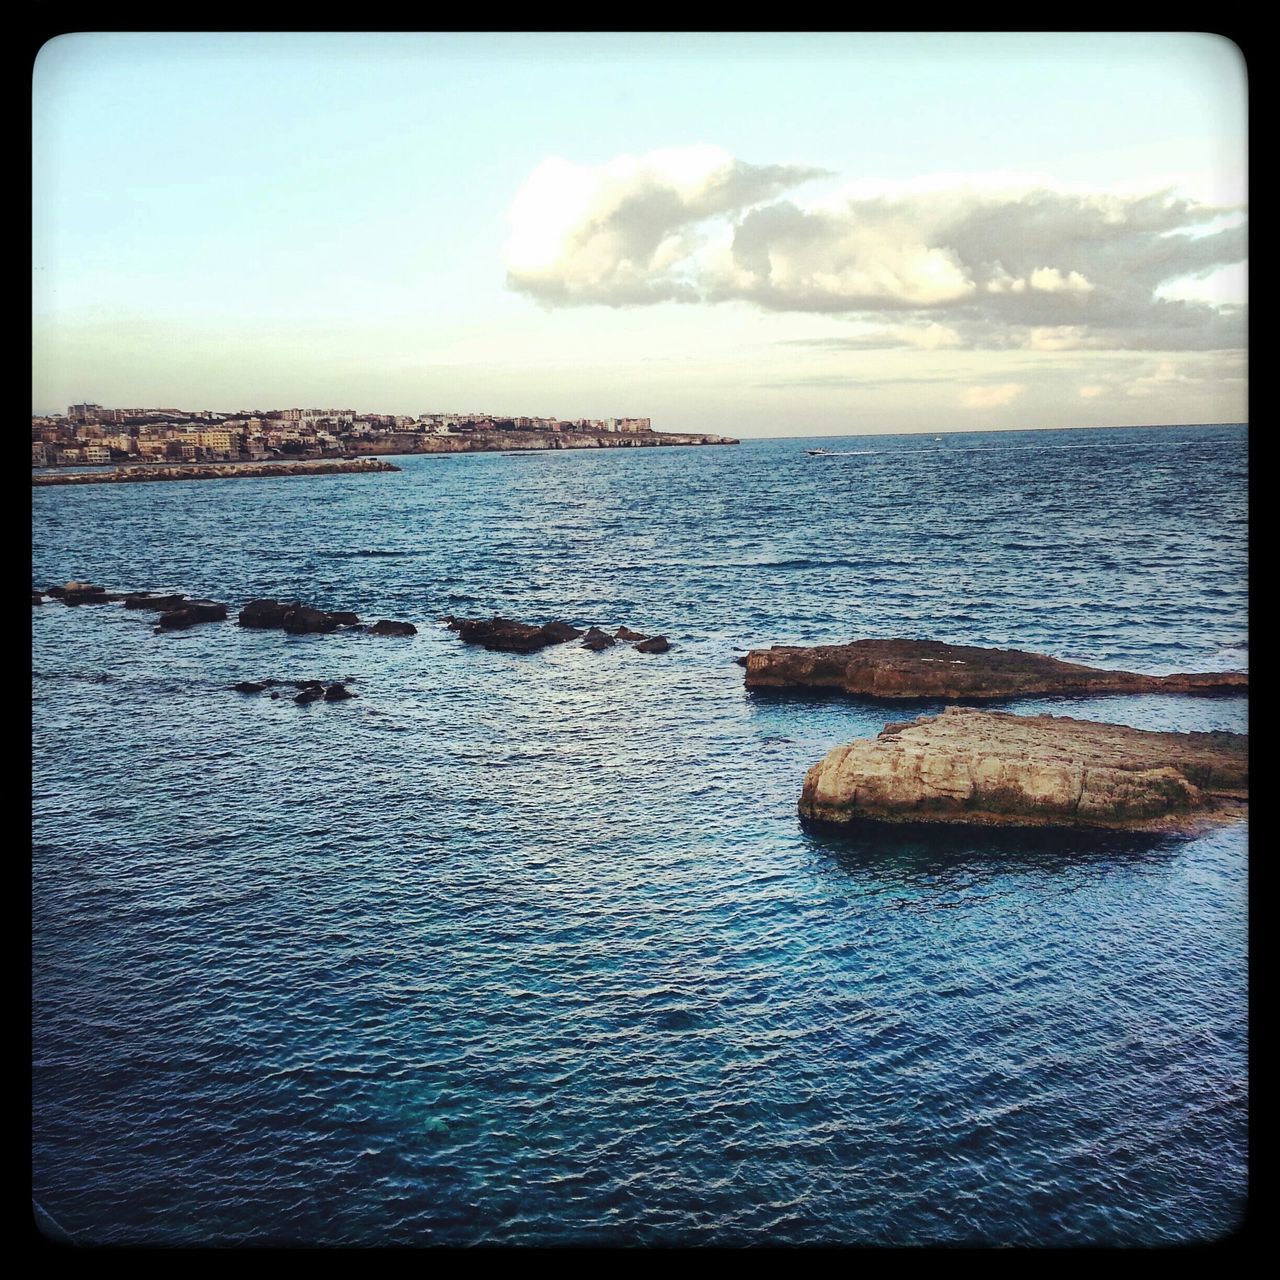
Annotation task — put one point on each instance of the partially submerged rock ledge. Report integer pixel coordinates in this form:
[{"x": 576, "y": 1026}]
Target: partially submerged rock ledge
[
  {"x": 899, "y": 669},
  {"x": 991, "y": 768},
  {"x": 507, "y": 635}
]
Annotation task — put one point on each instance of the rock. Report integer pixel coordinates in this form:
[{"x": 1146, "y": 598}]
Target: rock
[
  {"x": 145, "y": 600},
  {"x": 994, "y": 768},
  {"x": 625, "y": 633},
  {"x": 561, "y": 632},
  {"x": 338, "y": 693},
  {"x": 83, "y": 593},
  {"x": 266, "y": 614},
  {"x": 386, "y": 628},
  {"x": 509, "y": 636},
  {"x": 595, "y": 640},
  {"x": 308, "y": 695},
  {"x": 345, "y": 618},
  {"x": 741, "y": 661},
  {"x": 56, "y": 592},
  {"x": 658, "y": 644},
  {"x": 252, "y": 686},
  {"x": 37, "y": 598},
  {"x": 191, "y": 612},
  {"x": 305, "y": 620},
  {"x": 931, "y": 669},
  {"x": 318, "y": 685}
]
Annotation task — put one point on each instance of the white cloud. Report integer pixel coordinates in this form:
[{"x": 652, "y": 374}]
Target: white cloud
[
  {"x": 996, "y": 260},
  {"x": 622, "y": 232},
  {"x": 1092, "y": 390}
]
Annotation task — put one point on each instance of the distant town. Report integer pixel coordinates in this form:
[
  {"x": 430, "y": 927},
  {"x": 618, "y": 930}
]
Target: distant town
[{"x": 91, "y": 435}]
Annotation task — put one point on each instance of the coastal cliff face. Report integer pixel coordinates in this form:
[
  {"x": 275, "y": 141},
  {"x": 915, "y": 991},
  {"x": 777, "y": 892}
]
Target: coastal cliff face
[
  {"x": 996, "y": 769},
  {"x": 930, "y": 669}
]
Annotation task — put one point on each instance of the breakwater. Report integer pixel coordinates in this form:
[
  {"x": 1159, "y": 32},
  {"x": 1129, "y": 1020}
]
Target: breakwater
[
  {"x": 519, "y": 441},
  {"x": 215, "y": 471}
]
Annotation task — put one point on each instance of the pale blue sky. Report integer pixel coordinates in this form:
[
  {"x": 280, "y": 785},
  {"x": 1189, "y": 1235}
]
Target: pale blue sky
[{"x": 231, "y": 220}]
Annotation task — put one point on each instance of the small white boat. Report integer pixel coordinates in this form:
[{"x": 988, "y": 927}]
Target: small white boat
[{"x": 818, "y": 453}]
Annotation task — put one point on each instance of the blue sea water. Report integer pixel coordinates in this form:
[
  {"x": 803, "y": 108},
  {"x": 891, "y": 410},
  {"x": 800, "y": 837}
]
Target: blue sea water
[{"x": 533, "y": 949}]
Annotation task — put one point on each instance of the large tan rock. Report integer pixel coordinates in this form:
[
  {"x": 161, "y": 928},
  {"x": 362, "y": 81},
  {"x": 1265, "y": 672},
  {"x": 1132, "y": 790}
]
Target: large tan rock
[
  {"x": 931, "y": 669},
  {"x": 993, "y": 768}
]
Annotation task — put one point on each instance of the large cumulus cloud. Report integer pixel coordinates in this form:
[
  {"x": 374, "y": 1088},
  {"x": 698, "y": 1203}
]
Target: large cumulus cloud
[
  {"x": 961, "y": 265},
  {"x": 624, "y": 232}
]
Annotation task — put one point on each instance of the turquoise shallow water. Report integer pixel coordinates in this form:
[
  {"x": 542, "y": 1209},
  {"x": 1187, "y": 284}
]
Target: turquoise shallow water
[{"x": 532, "y": 949}]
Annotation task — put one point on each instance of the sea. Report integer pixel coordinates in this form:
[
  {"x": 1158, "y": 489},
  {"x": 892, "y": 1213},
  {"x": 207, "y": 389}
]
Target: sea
[{"x": 533, "y": 949}]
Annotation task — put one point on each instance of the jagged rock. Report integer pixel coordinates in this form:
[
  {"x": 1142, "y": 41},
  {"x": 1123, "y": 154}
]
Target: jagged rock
[
  {"x": 145, "y": 600},
  {"x": 387, "y": 628},
  {"x": 993, "y": 768},
  {"x": 595, "y": 640},
  {"x": 266, "y": 614},
  {"x": 658, "y": 644},
  {"x": 931, "y": 669},
  {"x": 338, "y": 693},
  {"x": 510, "y": 636},
  {"x": 625, "y": 633},
  {"x": 191, "y": 612}
]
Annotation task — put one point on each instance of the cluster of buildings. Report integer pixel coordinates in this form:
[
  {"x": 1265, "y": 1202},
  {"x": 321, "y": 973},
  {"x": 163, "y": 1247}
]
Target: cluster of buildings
[{"x": 91, "y": 435}]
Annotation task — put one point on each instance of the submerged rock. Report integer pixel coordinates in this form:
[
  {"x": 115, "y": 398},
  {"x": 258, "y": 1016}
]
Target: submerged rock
[
  {"x": 994, "y": 768},
  {"x": 931, "y": 669},
  {"x": 338, "y": 693}
]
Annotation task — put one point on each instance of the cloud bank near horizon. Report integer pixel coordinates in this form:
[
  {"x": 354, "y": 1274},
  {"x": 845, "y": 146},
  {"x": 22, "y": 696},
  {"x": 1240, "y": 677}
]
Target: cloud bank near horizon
[{"x": 970, "y": 263}]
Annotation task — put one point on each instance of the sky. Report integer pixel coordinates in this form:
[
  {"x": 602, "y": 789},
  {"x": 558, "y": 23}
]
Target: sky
[{"x": 752, "y": 234}]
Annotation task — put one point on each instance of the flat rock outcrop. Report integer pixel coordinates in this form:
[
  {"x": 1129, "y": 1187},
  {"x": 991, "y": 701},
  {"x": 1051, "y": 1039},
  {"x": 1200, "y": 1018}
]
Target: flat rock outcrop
[
  {"x": 992, "y": 768},
  {"x": 930, "y": 669},
  {"x": 506, "y": 635}
]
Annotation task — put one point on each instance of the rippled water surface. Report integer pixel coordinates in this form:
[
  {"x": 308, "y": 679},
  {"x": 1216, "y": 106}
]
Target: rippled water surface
[{"x": 533, "y": 949}]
